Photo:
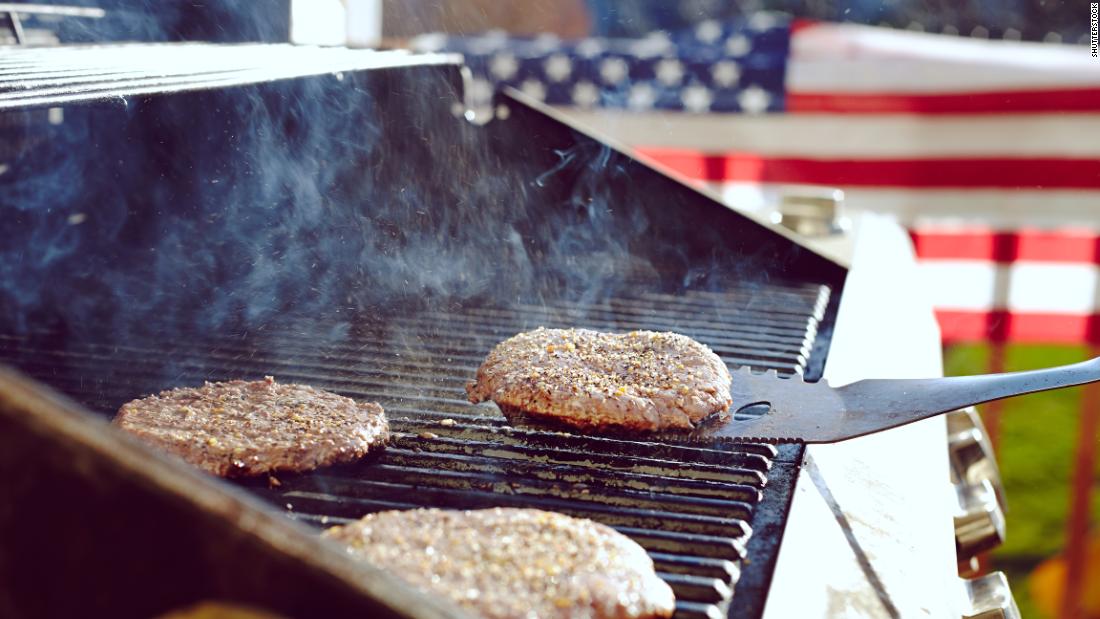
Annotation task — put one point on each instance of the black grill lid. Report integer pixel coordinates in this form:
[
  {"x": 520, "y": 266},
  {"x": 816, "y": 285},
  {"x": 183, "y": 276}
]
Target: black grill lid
[{"x": 352, "y": 231}]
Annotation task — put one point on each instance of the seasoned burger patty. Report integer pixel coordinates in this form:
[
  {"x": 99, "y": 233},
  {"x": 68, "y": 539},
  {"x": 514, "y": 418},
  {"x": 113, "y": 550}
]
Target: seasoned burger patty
[
  {"x": 642, "y": 380},
  {"x": 241, "y": 428},
  {"x": 507, "y": 562}
]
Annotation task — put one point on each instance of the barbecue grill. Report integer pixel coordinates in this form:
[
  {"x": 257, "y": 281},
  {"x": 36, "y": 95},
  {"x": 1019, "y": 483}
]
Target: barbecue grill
[{"x": 194, "y": 212}]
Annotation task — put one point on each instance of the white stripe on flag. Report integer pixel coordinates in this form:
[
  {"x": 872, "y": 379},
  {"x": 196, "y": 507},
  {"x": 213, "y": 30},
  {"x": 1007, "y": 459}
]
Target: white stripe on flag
[
  {"x": 1058, "y": 288},
  {"x": 837, "y": 136},
  {"x": 850, "y": 58},
  {"x": 961, "y": 284},
  {"x": 1025, "y": 287}
]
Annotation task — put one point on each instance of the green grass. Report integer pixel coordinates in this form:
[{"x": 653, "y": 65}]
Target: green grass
[{"x": 1036, "y": 451}]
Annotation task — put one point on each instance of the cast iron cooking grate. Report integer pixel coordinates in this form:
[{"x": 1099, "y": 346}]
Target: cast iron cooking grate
[{"x": 710, "y": 517}]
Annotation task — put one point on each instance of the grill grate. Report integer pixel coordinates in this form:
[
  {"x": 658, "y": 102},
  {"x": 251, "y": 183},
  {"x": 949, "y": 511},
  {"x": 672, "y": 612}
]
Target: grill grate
[
  {"x": 694, "y": 509},
  {"x": 36, "y": 76}
]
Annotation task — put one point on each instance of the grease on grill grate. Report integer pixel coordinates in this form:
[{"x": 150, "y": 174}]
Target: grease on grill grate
[{"x": 690, "y": 507}]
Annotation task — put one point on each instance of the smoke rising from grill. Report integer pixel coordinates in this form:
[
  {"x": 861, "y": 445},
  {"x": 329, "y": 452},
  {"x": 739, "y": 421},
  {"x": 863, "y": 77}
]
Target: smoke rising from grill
[
  {"x": 327, "y": 198},
  {"x": 319, "y": 203}
]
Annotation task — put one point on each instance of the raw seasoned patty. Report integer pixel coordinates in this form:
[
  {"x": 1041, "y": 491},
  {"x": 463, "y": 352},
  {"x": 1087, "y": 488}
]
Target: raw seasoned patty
[
  {"x": 642, "y": 380},
  {"x": 240, "y": 428},
  {"x": 506, "y": 562}
]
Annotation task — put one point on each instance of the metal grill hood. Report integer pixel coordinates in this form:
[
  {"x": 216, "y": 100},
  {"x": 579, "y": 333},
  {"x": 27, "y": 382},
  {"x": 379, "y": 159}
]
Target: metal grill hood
[
  {"x": 262, "y": 144},
  {"x": 196, "y": 229}
]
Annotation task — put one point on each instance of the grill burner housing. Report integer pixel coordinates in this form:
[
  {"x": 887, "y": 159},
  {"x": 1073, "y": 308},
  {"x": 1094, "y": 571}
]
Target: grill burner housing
[{"x": 350, "y": 232}]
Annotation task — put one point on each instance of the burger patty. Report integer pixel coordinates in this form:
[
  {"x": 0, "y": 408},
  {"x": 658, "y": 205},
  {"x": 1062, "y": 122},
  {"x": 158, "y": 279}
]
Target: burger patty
[
  {"x": 639, "y": 381},
  {"x": 241, "y": 428},
  {"x": 507, "y": 562}
]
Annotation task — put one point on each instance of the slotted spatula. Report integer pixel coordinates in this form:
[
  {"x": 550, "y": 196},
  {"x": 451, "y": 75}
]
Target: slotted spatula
[{"x": 774, "y": 409}]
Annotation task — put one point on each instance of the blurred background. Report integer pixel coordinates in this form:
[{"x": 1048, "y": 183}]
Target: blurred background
[
  {"x": 1052, "y": 21},
  {"x": 975, "y": 123}
]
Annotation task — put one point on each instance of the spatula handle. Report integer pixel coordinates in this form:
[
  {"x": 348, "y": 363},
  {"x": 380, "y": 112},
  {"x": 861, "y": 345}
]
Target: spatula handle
[
  {"x": 996, "y": 386},
  {"x": 931, "y": 396}
]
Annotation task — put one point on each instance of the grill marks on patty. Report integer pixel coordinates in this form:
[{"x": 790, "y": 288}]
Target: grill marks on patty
[
  {"x": 242, "y": 428},
  {"x": 640, "y": 381},
  {"x": 507, "y": 562}
]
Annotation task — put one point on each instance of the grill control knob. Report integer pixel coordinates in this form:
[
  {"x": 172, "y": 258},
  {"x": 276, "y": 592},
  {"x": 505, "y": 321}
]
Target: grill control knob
[
  {"x": 980, "y": 522},
  {"x": 972, "y": 458},
  {"x": 989, "y": 597},
  {"x": 811, "y": 211}
]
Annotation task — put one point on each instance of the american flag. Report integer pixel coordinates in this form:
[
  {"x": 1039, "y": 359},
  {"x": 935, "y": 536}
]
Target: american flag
[
  {"x": 989, "y": 151},
  {"x": 732, "y": 67}
]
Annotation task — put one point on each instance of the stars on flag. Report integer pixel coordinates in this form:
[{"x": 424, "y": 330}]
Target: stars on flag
[
  {"x": 586, "y": 94},
  {"x": 754, "y": 99},
  {"x": 738, "y": 45},
  {"x": 697, "y": 98},
  {"x": 642, "y": 96},
  {"x": 558, "y": 67},
  {"x": 503, "y": 66},
  {"x": 725, "y": 73},
  {"x": 613, "y": 70},
  {"x": 670, "y": 72},
  {"x": 708, "y": 31},
  {"x": 534, "y": 88},
  {"x": 713, "y": 67}
]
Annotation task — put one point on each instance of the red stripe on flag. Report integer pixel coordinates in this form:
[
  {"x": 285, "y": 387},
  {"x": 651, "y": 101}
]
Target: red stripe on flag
[
  {"x": 800, "y": 23},
  {"x": 1003, "y": 102},
  {"x": 1020, "y": 327},
  {"x": 1008, "y": 173},
  {"x": 1082, "y": 246},
  {"x": 689, "y": 163}
]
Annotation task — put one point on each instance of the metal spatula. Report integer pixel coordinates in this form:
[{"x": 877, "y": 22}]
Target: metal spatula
[{"x": 773, "y": 409}]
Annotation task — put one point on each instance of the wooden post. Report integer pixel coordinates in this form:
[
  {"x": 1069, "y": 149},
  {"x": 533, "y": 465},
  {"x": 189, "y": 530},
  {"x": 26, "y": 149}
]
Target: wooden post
[
  {"x": 991, "y": 418},
  {"x": 1077, "y": 524},
  {"x": 1005, "y": 252},
  {"x": 991, "y": 412}
]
